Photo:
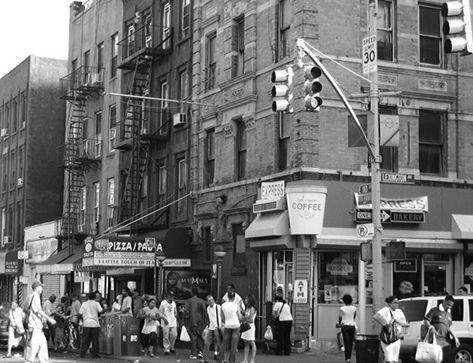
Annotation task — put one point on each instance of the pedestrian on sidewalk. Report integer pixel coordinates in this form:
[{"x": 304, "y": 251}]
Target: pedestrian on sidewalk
[
  {"x": 127, "y": 302},
  {"x": 49, "y": 310},
  {"x": 283, "y": 317},
  {"x": 150, "y": 327},
  {"x": 169, "y": 325},
  {"x": 198, "y": 320},
  {"x": 37, "y": 346},
  {"x": 231, "y": 317},
  {"x": 16, "y": 331},
  {"x": 346, "y": 320},
  {"x": 249, "y": 316},
  {"x": 90, "y": 311},
  {"x": 214, "y": 333},
  {"x": 60, "y": 317}
]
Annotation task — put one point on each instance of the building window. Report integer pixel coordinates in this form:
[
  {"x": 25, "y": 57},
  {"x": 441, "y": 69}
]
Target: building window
[
  {"x": 209, "y": 170},
  {"x": 98, "y": 134},
  {"x": 430, "y": 35},
  {"x": 13, "y": 170},
  {"x": 86, "y": 64},
  {"x": 97, "y": 202},
  {"x": 431, "y": 142},
  {"x": 284, "y": 124},
  {"x": 162, "y": 180},
  {"x": 114, "y": 59},
  {"x": 338, "y": 276},
  {"x": 185, "y": 18},
  {"x": 5, "y": 173},
  {"x": 148, "y": 31},
  {"x": 238, "y": 45},
  {"x": 239, "y": 246},
  {"x": 100, "y": 57},
  {"x": 23, "y": 111},
  {"x": 15, "y": 115},
  {"x": 241, "y": 150},
  {"x": 283, "y": 48},
  {"x": 110, "y": 201},
  {"x": 389, "y": 154},
  {"x": 82, "y": 209},
  {"x": 183, "y": 89},
  {"x": 112, "y": 122},
  {"x": 130, "y": 39},
  {"x": 163, "y": 115},
  {"x": 21, "y": 166},
  {"x": 211, "y": 63},
  {"x": 385, "y": 30},
  {"x": 166, "y": 31},
  {"x": 19, "y": 222},
  {"x": 181, "y": 185},
  {"x": 283, "y": 272}
]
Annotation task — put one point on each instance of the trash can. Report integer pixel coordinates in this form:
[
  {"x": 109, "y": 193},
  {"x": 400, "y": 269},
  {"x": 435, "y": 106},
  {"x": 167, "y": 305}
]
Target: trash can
[
  {"x": 366, "y": 348},
  {"x": 106, "y": 334}
]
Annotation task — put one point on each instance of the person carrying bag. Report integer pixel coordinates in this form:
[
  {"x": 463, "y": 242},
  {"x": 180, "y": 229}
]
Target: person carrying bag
[{"x": 429, "y": 352}]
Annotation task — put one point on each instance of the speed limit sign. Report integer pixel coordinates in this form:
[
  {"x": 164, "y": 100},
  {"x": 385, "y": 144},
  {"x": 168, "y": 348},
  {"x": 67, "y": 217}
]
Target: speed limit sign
[{"x": 369, "y": 56}]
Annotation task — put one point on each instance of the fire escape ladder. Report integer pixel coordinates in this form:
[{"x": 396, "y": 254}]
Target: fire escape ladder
[{"x": 139, "y": 148}]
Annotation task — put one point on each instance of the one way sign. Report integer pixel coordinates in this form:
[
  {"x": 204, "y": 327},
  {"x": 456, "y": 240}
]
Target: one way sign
[{"x": 366, "y": 216}]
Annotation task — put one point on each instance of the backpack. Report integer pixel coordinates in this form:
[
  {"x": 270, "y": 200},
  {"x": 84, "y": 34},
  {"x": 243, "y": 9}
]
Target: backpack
[{"x": 26, "y": 310}]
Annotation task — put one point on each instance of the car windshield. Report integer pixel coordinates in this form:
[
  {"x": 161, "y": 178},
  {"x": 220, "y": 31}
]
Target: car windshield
[{"x": 414, "y": 310}]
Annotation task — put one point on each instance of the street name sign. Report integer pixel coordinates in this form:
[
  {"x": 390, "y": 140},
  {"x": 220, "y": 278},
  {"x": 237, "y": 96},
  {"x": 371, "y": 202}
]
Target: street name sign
[
  {"x": 407, "y": 217},
  {"x": 396, "y": 178},
  {"x": 389, "y": 216}
]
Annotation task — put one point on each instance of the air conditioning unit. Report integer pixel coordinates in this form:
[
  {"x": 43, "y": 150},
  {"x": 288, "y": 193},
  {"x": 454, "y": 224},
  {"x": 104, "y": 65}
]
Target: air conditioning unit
[
  {"x": 6, "y": 240},
  {"x": 4, "y": 133},
  {"x": 179, "y": 119},
  {"x": 19, "y": 182},
  {"x": 96, "y": 78}
]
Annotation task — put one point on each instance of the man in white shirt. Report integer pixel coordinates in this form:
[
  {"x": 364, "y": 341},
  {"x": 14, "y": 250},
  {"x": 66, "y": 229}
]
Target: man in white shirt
[
  {"x": 169, "y": 309},
  {"x": 90, "y": 311},
  {"x": 48, "y": 309},
  {"x": 37, "y": 344},
  {"x": 214, "y": 328}
]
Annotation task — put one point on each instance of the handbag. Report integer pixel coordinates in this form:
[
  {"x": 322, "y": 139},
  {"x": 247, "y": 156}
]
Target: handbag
[
  {"x": 276, "y": 322},
  {"x": 244, "y": 326},
  {"x": 268, "y": 334},
  {"x": 184, "y": 336},
  {"x": 429, "y": 352},
  {"x": 389, "y": 333}
]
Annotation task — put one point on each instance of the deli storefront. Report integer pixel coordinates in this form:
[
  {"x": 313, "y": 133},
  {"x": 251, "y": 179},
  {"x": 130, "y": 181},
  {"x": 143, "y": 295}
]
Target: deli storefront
[{"x": 313, "y": 268}]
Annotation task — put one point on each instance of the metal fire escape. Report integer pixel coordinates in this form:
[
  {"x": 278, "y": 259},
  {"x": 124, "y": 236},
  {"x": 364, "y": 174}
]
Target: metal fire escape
[
  {"x": 140, "y": 49},
  {"x": 80, "y": 153}
]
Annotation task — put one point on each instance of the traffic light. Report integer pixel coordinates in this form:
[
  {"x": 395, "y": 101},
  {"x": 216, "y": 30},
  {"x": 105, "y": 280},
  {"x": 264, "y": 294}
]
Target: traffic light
[
  {"x": 312, "y": 88},
  {"x": 457, "y": 26},
  {"x": 282, "y": 90}
]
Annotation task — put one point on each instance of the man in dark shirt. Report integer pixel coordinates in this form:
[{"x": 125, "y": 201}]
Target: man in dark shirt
[
  {"x": 441, "y": 319},
  {"x": 198, "y": 320}
]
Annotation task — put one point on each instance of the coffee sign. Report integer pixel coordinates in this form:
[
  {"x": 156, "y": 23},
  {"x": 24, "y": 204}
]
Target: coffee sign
[{"x": 306, "y": 210}]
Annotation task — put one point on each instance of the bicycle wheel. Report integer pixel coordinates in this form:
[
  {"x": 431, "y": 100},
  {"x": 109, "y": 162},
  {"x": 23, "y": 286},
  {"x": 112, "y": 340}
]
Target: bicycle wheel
[{"x": 74, "y": 340}]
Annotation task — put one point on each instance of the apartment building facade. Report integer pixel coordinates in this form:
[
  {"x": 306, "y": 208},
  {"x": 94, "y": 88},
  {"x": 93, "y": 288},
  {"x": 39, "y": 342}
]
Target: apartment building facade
[
  {"x": 241, "y": 147},
  {"x": 31, "y": 183}
]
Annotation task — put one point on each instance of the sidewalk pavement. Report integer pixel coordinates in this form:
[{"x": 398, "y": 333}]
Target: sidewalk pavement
[{"x": 182, "y": 356}]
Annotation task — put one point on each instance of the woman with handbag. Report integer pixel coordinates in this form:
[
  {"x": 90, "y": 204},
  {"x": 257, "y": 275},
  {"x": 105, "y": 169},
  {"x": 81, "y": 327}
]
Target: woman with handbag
[
  {"x": 392, "y": 320},
  {"x": 16, "y": 330},
  {"x": 283, "y": 323},
  {"x": 248, "y": 336}
]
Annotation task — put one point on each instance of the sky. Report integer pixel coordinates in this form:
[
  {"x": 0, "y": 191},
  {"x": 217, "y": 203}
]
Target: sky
[{"x": 39, "y": 27}]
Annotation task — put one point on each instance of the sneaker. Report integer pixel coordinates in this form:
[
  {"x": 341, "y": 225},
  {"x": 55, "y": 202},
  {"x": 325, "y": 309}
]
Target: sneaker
[
  {"x": 192, "y": 356},
  {"x": 173, "y": 351},
  {"x": 200, "y": 355}
]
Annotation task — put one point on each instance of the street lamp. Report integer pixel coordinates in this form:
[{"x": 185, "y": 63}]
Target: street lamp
[
  {"x": 219, "y": 253},
  {"x": 160, "y": 257}
]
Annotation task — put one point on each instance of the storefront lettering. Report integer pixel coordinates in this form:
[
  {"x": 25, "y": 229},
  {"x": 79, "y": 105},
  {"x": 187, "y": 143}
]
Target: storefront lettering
[
  {"x": 304, "y": 206},
  {"x": 129, "y": 246},
  {"x": 339, "y": 266}
]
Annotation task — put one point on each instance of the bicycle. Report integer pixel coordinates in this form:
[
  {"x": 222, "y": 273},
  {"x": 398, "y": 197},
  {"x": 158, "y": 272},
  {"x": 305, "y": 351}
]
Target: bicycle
[{"x": 72, "y": 334}]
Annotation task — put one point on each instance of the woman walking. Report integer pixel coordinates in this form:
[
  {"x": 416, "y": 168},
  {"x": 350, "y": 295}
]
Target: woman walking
[
  {"x": 282, "y": 315},
  {"x": 346, "y": 320},
  {"x": 150, "y": 327},
  {"x": 387, "y": 316},
  {"x": 16, "y": 331},
  {"x": 248, "y": 336}
]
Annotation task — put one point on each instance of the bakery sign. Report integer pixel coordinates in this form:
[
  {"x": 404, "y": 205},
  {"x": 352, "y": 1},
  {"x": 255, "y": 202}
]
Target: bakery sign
[
  {"x": 306, "y": 206},
  {"x": 118, "y": 251}
]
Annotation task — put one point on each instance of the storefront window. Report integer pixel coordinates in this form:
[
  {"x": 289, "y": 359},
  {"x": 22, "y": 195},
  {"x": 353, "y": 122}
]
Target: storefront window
[
  {"x": 338, "y": 276},
  {"x": 407, "y": 276},
  {"x": 283, "y": 275}
]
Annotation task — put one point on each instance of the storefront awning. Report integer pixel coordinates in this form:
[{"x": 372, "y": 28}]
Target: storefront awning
[
  {"x": 462, "y": 226},
  {"x": 60, "y": 263},
  {"x": 269, "y": 225}
]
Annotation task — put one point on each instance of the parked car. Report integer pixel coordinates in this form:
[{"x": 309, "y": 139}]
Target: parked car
[
  {"x": 4, "y": 323},
  {"x": 415, "y": 310}
]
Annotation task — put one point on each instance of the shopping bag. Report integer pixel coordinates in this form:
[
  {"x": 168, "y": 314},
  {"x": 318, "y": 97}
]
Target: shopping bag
[
  {"x": 429, "y": 352},
  {"x": 268, "y": 334},
  {"x": 184, "y": 337},
  {"x": 205, "y": 333}
]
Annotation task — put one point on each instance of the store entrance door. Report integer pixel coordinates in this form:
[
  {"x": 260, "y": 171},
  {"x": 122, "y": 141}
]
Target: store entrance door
[{"x": 435, "y": 278}]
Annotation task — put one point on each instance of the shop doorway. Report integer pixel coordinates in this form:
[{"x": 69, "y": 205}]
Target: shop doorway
[{"x": 435, "y": 278}]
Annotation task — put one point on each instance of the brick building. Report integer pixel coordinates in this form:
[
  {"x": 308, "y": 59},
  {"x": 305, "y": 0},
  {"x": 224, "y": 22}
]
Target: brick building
[
  {"x": 239, "y": 143},
  {"x": 31, "y": 117}
]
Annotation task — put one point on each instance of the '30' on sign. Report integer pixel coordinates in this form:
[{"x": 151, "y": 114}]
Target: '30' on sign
[{"x": 369, "y": 56}]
